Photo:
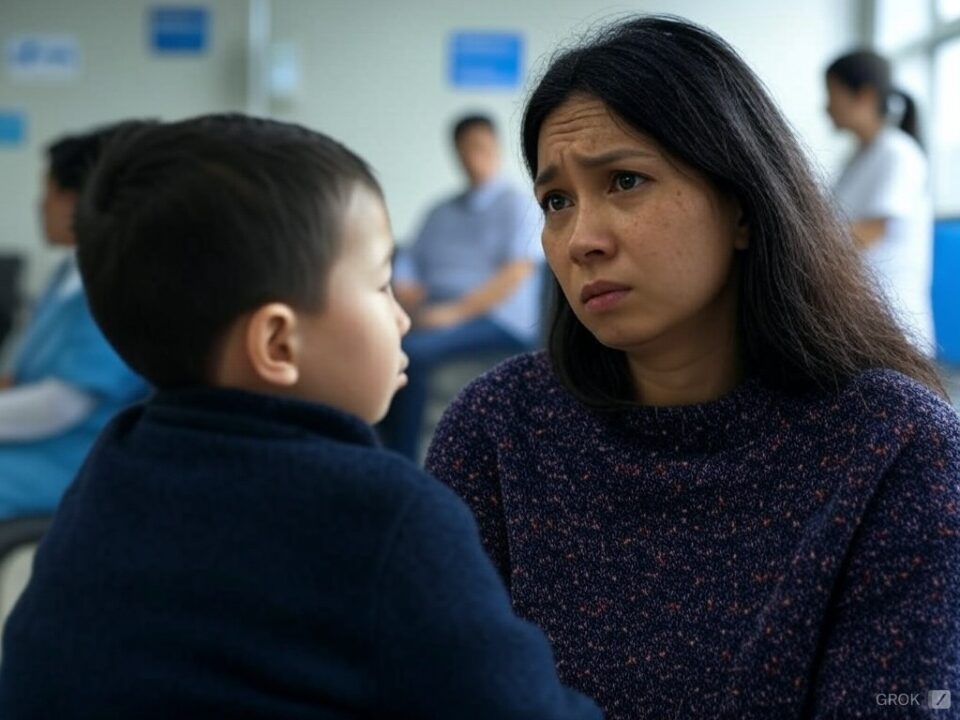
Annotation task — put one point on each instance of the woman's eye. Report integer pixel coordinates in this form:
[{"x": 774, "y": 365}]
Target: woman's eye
[
  {"x": 554, "y": 202},
  {"x": 627, "y": 180}
]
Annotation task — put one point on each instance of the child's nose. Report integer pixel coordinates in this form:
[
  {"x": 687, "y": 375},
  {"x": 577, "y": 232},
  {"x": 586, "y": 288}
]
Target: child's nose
[{"x": 403, "y": 320}]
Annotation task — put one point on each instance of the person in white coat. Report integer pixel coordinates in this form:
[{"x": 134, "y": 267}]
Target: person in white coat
[{"x": 884, "y": 189}]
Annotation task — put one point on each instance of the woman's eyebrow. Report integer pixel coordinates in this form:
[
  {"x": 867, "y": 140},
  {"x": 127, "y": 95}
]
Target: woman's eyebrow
[{"x": 591, "y": 161}]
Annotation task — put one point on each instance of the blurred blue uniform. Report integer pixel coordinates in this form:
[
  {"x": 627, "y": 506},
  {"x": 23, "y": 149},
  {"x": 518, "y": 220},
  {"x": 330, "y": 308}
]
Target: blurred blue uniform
[{"x": 64, "y": 343}]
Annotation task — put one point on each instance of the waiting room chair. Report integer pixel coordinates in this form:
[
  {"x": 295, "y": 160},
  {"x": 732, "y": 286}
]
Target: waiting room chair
[{"x": 19, "y": 538}]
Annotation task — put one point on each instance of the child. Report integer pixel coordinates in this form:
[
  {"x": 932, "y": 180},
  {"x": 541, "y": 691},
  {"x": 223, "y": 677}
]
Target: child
[{"x": 239, "y": 546}]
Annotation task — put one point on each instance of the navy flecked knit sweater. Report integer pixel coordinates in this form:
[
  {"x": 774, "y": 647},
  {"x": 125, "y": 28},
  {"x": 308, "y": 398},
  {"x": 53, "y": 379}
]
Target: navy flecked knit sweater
[
  {"x": 230, "y": 555},
  {"x": 760, "y": 556}
]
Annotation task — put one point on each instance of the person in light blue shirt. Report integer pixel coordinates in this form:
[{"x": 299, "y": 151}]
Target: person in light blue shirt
[
  {"x": 469, "y": 280},
  {"x": 65, "y": 381}
]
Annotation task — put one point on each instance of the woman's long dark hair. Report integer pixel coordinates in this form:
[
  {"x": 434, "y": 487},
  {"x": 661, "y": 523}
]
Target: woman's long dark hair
[
  {"x": 865, "y": 68},
  {"x": 809, "y": 316}
]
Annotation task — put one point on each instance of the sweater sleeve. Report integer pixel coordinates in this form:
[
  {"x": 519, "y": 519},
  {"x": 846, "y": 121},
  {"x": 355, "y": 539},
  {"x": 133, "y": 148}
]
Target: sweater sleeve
[
  {"x": 895, "y": 626},
  {"x": 449, "y": 644},
  {"x": 463, "y": 455}
]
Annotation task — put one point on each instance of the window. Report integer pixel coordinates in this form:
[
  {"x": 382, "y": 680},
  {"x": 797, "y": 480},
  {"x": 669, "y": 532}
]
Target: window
[
  {"x": 912, "y": 74},
  {"x": 946, "y": 128},
  {"x": 922, "y": 39},
  {"x": 900, "y": 22},
  {"x": 948, "y": 9}
]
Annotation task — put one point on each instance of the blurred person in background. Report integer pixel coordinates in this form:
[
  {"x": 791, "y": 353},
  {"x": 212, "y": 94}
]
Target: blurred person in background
[
  {"x": 470, "y": 279},
  {"x": 65, "y": 381},
  {"x": 884, "y": 189}
]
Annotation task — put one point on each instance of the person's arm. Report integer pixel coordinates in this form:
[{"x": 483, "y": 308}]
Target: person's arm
[
  {"x": 449, "y": 643},
  {"x": 521, "y": 255},
  {"x": 898, "y": 185},
  {"x": 408, "y": 289},
  {"x": 410, "y": 295},
  {"x": 867, "y": 233},
  {"x": 480, "y": 300},
  {"x": 43, "y": 409},
  {"x": 464, "y": 457},
  {"x": 895, "y": 625}
]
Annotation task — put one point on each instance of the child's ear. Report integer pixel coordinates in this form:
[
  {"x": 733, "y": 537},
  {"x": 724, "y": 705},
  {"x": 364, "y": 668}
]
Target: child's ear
[{"x": 272, "y": 344}]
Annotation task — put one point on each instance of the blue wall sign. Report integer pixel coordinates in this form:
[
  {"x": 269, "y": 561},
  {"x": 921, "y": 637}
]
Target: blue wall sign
[
  {"x": 13, "y": 128},
  {"x": 179, "y": 30},
  {"x": 486, "y": 59},
  {"x": 42, "y": 57}
]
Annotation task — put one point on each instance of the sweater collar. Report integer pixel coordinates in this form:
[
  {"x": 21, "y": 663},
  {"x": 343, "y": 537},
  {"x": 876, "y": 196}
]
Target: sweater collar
[
  {"x": 732, "y": 421},
  {"x": 228, "y": 411}
]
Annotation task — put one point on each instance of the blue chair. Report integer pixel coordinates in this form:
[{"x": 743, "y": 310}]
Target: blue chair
[{"x": 946, "y": 289}]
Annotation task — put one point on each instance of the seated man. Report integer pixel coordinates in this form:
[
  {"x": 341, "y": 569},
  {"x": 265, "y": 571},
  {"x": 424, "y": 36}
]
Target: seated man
[
  {"x": 66, "y": 381},
  {"x": 469, "y": 280}
]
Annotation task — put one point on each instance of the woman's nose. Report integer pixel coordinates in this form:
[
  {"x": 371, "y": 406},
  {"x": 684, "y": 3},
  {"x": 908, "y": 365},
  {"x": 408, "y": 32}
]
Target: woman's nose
[{"x": 591, "y": 238}]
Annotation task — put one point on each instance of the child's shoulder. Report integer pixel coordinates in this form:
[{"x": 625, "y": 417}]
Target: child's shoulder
[
  {"x": 383, "y": 474},
  {"x": 413, "y": 496}
]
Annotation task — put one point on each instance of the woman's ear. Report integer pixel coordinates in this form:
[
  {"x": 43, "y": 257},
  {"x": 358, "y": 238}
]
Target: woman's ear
[
  {"x": 272, "y": 344},
  {"x": 741, "y": 228},
  {"x": 741, "y": 239}
]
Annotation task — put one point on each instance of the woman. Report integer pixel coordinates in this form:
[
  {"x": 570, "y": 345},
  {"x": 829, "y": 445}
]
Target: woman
[
  {"x": 729, "y": 488},
  {"x": 884, "y": 188},
  {"x": 66, "y": 381}
]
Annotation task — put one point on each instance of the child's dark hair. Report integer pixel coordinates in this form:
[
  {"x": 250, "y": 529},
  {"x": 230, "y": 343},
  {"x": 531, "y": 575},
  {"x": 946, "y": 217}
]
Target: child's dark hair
[{"x": 185, "y": 226}]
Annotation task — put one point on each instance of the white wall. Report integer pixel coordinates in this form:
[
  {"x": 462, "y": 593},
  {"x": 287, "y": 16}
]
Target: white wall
[
  {"x": 119, "y": 78},
  {"x": 373, "y": 74}
]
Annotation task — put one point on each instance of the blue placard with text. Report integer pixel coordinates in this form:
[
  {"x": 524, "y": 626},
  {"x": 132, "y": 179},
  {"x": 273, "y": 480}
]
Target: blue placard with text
[
  {"x": 37, "y": 57},
  {"x": 486, "y": 59},
  {"x": 13, "y": 128},
  {"x": 179, "y": 30}
]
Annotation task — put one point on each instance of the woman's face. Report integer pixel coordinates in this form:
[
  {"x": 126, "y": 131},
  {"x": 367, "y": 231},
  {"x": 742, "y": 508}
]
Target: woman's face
[
  {"x": 56, "y": 211},
  {"x": 642, "y": 246},
  {"x": 851, "y": 109}
]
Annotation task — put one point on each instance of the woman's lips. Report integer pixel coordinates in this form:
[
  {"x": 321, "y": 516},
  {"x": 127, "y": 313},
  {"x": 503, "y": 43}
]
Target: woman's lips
[
  {"x": 602, "y": 295},
  {"x": 605, "y": 301}
]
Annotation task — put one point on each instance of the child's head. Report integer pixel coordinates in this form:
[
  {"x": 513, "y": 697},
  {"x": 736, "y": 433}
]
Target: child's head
[{"x": 249, "y": 253}]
